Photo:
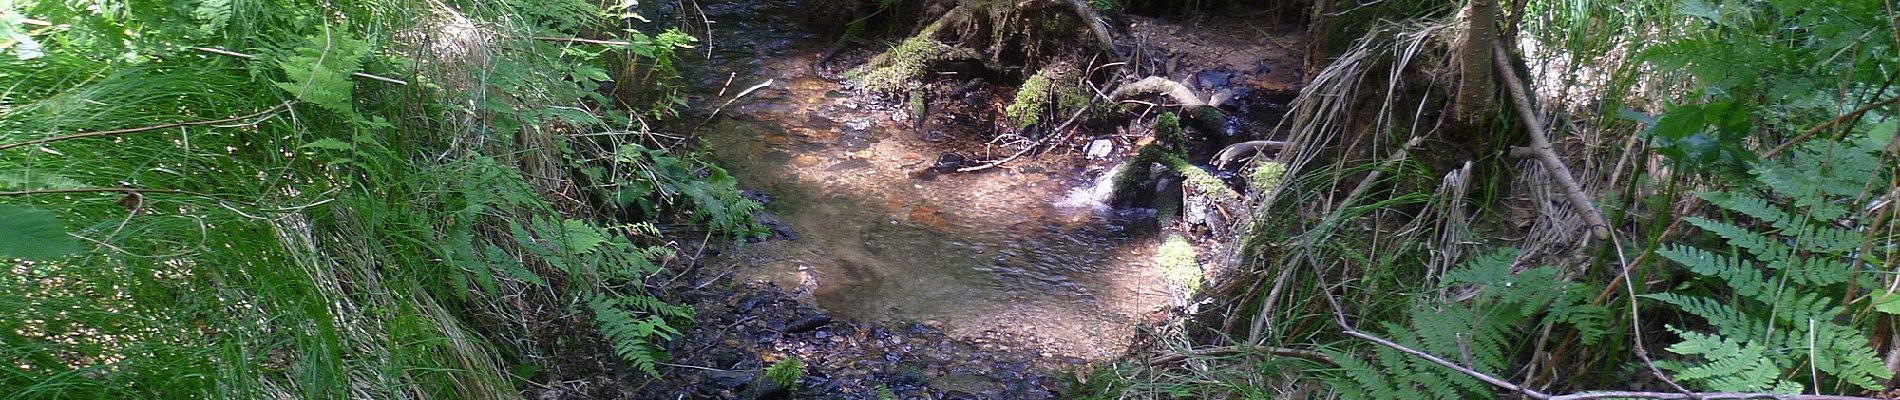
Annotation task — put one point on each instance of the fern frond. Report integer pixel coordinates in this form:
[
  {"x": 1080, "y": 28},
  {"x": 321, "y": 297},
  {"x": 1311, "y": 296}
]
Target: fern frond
[
  {"x": 1760, "y": 245},
  {"x": 1757, "y": 208},
  {"x": 629, "y": 333},
  {"x": 1741, "y": 275},
  {"x": 1729, "y": 365},
  {"x": 319, "y": 73},
  {"x": 214, "y": 14},
  {"x": 1727, "y": 320}
]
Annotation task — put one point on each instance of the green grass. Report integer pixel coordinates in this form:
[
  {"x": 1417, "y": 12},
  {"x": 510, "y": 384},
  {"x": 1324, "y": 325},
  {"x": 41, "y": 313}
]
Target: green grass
[{"x": 349, "y": 238}]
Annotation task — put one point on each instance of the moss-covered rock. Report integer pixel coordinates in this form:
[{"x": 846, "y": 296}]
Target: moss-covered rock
[
  {"x": 1179, "y": 264},
  {"x": 908, "y": 64},
  {"x": 1266, "y": 175},
  {"x": 1032, "y": 100}
]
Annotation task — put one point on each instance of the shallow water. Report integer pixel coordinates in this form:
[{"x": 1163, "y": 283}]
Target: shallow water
[{"x": 1023, "y": 251}]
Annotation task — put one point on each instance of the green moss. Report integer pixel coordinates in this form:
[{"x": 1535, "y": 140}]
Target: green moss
[
  {"x": 1168, "y": 130},
  {"x": 786, "y": 372},
  {"x": 1266, "y": 175},
  {"x": 909, "y": 62},
  {"x": 917, "y": 104},
  {"x": 1131, "y": 178},
  {"x": 1032, "y": 99},
  {"x": 1178, "y": 263},
  {"x": 1197, "y": 178}
]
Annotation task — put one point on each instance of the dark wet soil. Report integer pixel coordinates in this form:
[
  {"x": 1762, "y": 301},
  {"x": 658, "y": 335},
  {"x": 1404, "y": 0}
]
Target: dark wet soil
[{"x": 742, "y": 331}]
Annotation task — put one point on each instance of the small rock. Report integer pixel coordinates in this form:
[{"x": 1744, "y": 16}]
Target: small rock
[
  {"x": 1099, "y": 149},
  {"x": 959, "y": 395},
  {"x": 729, "y": 379}
]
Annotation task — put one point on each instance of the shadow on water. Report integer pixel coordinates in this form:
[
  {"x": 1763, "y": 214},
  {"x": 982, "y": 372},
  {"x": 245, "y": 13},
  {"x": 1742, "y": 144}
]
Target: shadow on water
[{"x": 1006, "y": 252}]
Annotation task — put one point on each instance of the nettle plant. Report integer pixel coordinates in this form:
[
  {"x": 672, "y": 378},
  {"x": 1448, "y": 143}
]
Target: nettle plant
[{"x": 1771, "y": 300}]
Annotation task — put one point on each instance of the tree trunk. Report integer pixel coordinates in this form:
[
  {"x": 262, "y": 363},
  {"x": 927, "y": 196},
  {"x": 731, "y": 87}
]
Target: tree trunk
[
  {"x": 1475, "y": 75},
  {"x": 1317, "y": 25}
]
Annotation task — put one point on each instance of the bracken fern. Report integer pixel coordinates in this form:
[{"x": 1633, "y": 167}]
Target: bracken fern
[{"x": 1789, "y": 261}]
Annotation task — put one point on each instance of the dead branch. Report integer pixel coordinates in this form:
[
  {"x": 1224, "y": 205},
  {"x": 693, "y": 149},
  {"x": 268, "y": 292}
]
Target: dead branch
[
  {"x": 1843, "y": 118},
  {"x": 1096, "y": 27},
  {"x": 1278, "y": 351},
  {"x": 223, "y": 52},
  {"x": 257, "y": 115},
  {"x": 582, "y": 40},
  {"x": 1542, "y": 148}
]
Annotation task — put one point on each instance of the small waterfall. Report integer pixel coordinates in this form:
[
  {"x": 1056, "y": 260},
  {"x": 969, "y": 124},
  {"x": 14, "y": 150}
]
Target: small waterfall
[{"x": 1096, "y": 195}]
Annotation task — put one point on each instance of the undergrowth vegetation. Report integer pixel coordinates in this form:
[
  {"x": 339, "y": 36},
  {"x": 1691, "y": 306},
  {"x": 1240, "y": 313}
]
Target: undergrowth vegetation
[
  {"x": 1741, "y": 152},
  {"x": 365, "y": 199}
]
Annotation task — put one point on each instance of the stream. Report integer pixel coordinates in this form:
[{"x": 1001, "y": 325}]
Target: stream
[{"x": 1026, "y": 250}]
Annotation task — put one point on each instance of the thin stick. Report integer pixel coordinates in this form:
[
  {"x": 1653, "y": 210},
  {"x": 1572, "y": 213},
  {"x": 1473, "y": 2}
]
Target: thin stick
[
  {"x": 742, "y": 94},
  {"x": 580, "y": 40},
  {"x": 1850, "y": 115},
  {"x": 223, "y": 52},
  {"x": 121, "y": 190},
  {"x": 1541, "y": 146},
  {"x": 256, "y": 115},
  {"x": 1033, "y": 146}
]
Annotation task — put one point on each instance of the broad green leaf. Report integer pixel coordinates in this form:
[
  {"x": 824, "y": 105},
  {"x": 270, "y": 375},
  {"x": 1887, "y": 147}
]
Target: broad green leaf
[
  {"x": 32, "y": 233},
  {"x": 1887, "y": 303}
]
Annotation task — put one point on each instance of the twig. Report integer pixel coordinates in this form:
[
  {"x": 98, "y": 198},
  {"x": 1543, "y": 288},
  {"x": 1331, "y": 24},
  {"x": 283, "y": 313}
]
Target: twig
[
  {"x": 1850, "y": 115},
  {"x": 580, "y": 40},
  {"x": 1541, "y": 146},
  {"x": 698, "y": 367},
  {"x": 223, "y": 52},
  {"x": 259, "y": 114},
  {"x": 1636, "y": 318},
  {"x": 121, "y": 190},
  {"x": 742, "y": 94},
  {"x": 1278, "y": 351},
  {"x": 1032, "y": 146}
]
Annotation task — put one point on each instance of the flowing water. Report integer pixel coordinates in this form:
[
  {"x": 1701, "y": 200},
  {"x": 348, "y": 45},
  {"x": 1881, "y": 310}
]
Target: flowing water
[{"x": 1024, "y": 252}]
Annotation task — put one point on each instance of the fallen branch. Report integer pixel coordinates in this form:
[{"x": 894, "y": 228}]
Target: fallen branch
[
  {"x": 1540, "y": 146},
  {"x": 223, "y": 52},
  {"x": 1843, "y": 118},
  {"x": 259, "y": 114}
]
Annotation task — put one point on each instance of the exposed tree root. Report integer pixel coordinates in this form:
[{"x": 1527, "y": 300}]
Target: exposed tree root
[
  {"x": 1202, "y": 113},
  {"x": 1155, "y": 85},
  {"x": 1237, "y": 151}
]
